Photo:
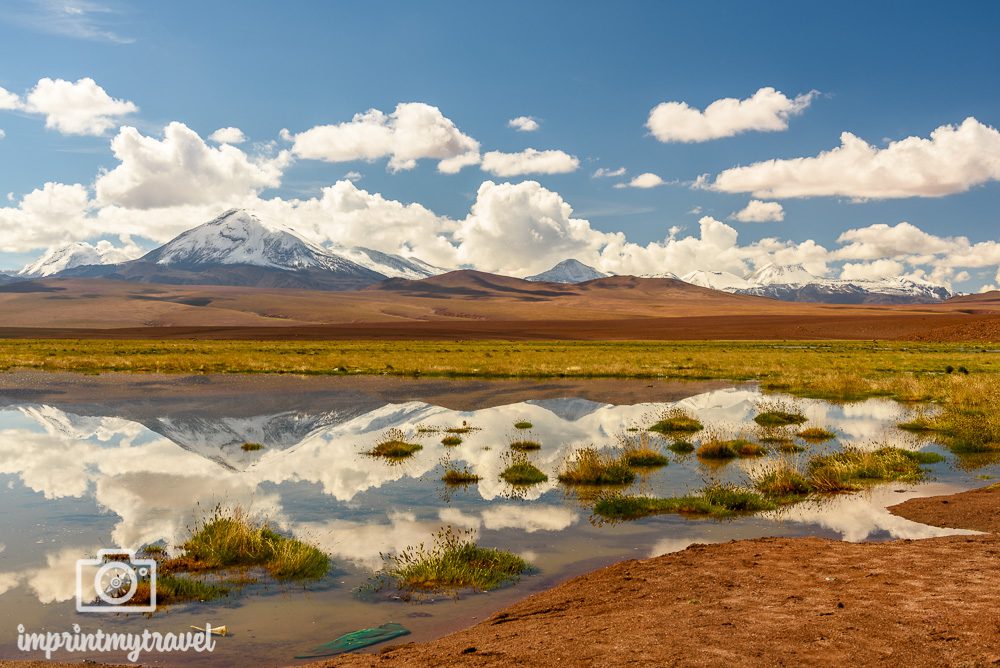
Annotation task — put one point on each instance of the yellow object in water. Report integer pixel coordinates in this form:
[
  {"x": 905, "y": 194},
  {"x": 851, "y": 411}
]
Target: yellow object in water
[{"x": 215, "y": 631}]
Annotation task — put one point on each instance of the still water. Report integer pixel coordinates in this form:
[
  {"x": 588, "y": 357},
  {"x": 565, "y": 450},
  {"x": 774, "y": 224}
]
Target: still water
[{"x": 115, "y": 462}]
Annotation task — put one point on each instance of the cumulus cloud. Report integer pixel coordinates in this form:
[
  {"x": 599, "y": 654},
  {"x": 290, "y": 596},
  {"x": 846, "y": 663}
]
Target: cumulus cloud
[
  {"x": 644, "y": 180},
  {"x": 523, "y": 124},
  {"x": 182, "y": 169},
  {"x": 45, "y": 215},
  {"x": 603, "y": 172},
  {"x": 767, "y": 110},
  {"x": 80, "y": 108},
  {"x": 757, "y": 211},
  {"x": 412, "y": 132},
  {"x": 228, "y": 136},
  {"x": 529, "y": 161},
  {"x": 3, "y": 135},
  {"x": 9, "y": 100},
  {"x": 852, "y": 271},
  {"x": 952, "y": 160}
]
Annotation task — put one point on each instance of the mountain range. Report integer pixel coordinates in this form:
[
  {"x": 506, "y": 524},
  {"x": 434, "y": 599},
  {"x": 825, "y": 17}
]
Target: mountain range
[{"x": 239, "y": 249}]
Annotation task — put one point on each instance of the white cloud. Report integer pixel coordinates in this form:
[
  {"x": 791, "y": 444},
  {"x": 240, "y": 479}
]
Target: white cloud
[
  {"x": 757, "y": 211},
  {"x": 9, "y": 100},
  {"x": 852, "y": 271},
  {"x": 644, "y": 180},
  {"x": 603, "y": 172},
  {"x": 953, "y": 160},
  {"x": 523, "y": 124},
  {"x": 529, "y": 161},
  {"x": 80, "y": 108},
  {"x": 228, "y": 136},
  {"x": 767, "y": 110},
  {"x": 3, "y": 135},
  {"x": 891, "y": 241},
  {"x": 412, "y": 132},
  {"x": 45, "y": 216},
  {"x": 182, "y": 169}
]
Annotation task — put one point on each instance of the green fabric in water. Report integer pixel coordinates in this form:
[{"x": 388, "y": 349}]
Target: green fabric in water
[{"x": 357, "y": 639}]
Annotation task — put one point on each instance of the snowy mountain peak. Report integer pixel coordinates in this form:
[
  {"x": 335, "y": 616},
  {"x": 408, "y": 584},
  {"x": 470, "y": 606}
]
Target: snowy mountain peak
[
  {"x": 389, "y": 264},
  {"x": 568, "y": 271},
  {"x": 239, "y": 237},
  {"x": 77, "y": 254},
  {"x": 717, "y": 280},
  {"x": 784, "y": 274}
]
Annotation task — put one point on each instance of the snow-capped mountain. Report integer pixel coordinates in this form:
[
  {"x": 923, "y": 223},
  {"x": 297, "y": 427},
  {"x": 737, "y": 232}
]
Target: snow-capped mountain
[
  {"x": 240, "y": 237},
  {"x": 568, "y": 271},
  {"x": 782, "y": 274},
  {"x": 795, "y": 283},
  {"x": 76, "y": 254},
  {"x": 389, "y": 264},
  {"x": 238, "y": 248},
  {"x": 717, "y": 280},
  {"x": 663, "y": 274}
]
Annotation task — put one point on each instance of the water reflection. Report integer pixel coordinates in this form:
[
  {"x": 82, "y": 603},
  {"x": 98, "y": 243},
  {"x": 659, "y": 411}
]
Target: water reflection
[{"x": 83, "y": 475}]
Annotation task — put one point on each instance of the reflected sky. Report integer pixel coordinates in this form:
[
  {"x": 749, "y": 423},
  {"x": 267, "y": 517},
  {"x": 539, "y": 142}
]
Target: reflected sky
[{"x": 79, "y": 476}]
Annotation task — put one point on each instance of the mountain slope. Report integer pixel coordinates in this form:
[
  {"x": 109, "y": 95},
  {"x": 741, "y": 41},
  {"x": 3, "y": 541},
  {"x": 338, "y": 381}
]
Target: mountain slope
[
  {"x": 237, "y": 248},
  {"x": 75, "y": 254},
  {"x": 389, "y": 264},
  {"x": 568, "y": 271}
]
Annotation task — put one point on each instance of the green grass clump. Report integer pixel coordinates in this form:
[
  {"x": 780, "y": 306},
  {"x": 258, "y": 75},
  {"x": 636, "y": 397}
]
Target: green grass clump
[
  {"x": 923, "y": 456},
  {"x": 676, "y": 421},
  {"x": 453, "y": 562},
  {"x": 816, "y": 434},
  {"x": 590, "y": 466},
  {"x": 451, "y": 441},
  {"x": 454, "y": 476},
  {"x": 779, "y": 418},
  {"x": 251, "y": 447},
  {"x": 790, "y": 447},
  {"x": 172, "y": 588},
  {"x": 730, "y": 449},
  {"x": 464, "y": 429},
  {"x": 521, "y": 472},
  {"x": 524, "y": 445},
  {"x": 919, "y": 424},
  {"x": 394, "y": 446},
  {"x": 717, "y": 500},
  {"x": 523, "y": 424},
  {"x": 845, "y": 470},
  {"x": 783, "y": 482},
  {"x": 233, "y": 540},
  {"x": 644, "y": 458},
  {"x": 681, "y": 447}
]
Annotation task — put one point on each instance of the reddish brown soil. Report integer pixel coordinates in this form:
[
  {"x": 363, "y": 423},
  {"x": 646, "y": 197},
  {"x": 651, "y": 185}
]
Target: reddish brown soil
[
  {"x": 765, "y": 602},
  {"x": 978, "y": 509},
  {"x": 848, "y": 326},
  {"x": 780, "y": 602},
  {"x": 470, "y": 305}
]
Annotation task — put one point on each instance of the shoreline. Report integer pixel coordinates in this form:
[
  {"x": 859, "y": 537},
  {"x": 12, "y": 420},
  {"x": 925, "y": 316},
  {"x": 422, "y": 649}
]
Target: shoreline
[
  {"x": 768, "y": 601},
  {"x": 765, "y": 601}
]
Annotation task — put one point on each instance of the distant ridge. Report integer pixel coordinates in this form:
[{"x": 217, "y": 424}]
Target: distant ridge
[{"x": 568, "y": 271}]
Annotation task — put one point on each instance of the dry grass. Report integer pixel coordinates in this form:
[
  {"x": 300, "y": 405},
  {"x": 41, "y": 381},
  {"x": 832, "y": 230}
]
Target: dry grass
[
  {"x": 393, "y": 445},
  {"x": 590, "y": 466},
  {"x": 730, "y": 449},
  {"x": 676, "y": 421}
]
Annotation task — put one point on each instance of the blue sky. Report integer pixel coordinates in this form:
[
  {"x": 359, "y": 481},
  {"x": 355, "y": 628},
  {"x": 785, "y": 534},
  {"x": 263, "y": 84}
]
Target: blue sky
[{"x": 588, "y": 72}]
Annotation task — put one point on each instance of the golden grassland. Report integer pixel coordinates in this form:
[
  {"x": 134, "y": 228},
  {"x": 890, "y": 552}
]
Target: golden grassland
[{"x": 962, "y": 378}]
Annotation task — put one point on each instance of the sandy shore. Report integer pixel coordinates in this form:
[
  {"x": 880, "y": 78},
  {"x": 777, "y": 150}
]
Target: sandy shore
[
  {"x": 771, "y": 601},
  {"x": 759, "y": 602}
]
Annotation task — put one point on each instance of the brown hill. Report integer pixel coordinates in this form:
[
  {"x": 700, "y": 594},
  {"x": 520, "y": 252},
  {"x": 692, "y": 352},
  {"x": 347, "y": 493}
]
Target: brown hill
[{"x": 473, "y": 304}]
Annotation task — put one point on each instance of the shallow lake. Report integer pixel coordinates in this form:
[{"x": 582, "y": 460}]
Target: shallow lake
[{"x": 122, "y": 462}]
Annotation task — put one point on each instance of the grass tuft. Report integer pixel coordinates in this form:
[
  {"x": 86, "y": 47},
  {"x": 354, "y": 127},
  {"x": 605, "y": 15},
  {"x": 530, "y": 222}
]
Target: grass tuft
[
  {"x": 779, "y": 418},
  {"x": 454, "y": 561},
  {"x": 232, "y": 540},
  {"x": 521, "y": 472},
  {"x": 717, "y": 500},
  {"x": 846, "y": 470},
  {"x": 817, "y": 434},
  {"x": 394, "y": 446},
  {"x": 730, "y": 449},
  {"x": 463, "y": 476},
  {"x": 782, "y": 482},
  {"x": 681, "y": 447},
  {"x": 451, "y": 441},
  {"x": 590, "y": 466},
  {"x": 524, "y": 445},
  {"x": 251, "y": 447},
  {"x": 523, "y": 424},
  {"x": 676, "y": 421}
]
